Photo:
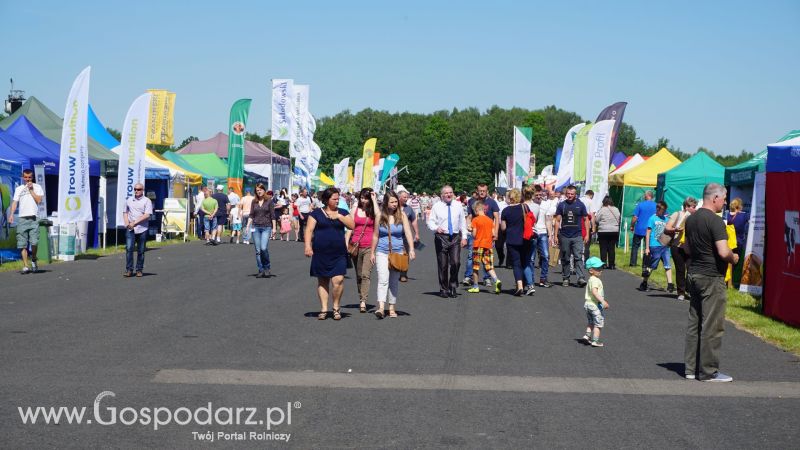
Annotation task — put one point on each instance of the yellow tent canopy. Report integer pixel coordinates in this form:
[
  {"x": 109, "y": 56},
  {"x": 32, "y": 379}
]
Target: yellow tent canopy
[
  {"x": 646, "y": 174},
  {"x": 154, "y": 158}
]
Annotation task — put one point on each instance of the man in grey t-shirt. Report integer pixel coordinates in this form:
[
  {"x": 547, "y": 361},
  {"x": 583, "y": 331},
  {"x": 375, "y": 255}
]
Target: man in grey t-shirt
[{"x": 138, "y": 210}]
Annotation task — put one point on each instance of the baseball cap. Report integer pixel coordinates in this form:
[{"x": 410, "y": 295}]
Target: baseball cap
[
  {"x": 220, "y": 187},
  {"x": 594, "y": 263}
]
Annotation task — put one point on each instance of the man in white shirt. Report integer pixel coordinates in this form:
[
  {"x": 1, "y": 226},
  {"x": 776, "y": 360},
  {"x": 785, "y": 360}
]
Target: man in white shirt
[
  {"x": 448, "y": 222},
  {"x": 27, "y": 196},
  {"x": 543, "y": 229}
]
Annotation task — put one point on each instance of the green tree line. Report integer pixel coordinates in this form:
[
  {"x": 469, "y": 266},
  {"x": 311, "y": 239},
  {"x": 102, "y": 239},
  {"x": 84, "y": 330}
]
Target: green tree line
[{"x": 458, "y": 147}]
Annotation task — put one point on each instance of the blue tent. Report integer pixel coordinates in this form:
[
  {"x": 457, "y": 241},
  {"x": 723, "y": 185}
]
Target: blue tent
[
  {"x": 27, "y": 155},
  {"x": 25, "y": 131}
]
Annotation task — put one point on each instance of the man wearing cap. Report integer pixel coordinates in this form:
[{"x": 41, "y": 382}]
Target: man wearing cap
[
  {"x": 138, "y": 210},
  {"x": 27, "y": 196},
  {"x": 223, "y": 211}
]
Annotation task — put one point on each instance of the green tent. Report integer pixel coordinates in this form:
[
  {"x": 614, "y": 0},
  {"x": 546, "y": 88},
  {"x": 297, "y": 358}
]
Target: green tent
[
  {"x": 744, "y": 174},
  {"x": 50, "y": 125},
  {"x": 181, "y": 161},
  {"x": 688, "y": 179}
]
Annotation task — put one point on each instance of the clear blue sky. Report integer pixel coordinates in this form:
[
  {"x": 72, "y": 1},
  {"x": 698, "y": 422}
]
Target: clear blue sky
[{"x": 723, "y": 75}]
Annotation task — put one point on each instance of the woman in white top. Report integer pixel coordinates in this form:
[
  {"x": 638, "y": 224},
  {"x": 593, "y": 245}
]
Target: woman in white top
[
  {"x": 606, "y": 222},
  {"x": 675, "y": 227}
]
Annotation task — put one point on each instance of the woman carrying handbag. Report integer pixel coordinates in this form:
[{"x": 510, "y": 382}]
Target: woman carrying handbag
[
  {"x": 360, "y": 243},
  {"x": 388, "y": 252}
]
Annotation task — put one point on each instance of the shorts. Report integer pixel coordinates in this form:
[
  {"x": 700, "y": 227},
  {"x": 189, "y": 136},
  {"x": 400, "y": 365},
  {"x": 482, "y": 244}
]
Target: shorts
[
  {"x": 237, "y": 227},
  {"x": 594, "y": 315},
  {"x": 209, "y": 223},
  {"x": 657, "y": 254},
  {"x": 222, "y": 220},
  {"x": 27, "y": 232},
  {"x": 482, "y": 255}
]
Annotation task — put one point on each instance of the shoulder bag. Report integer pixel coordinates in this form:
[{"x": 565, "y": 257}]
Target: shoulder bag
[
  {"x": 353, "y": 247},
  {"x": 397, "y": 261}
]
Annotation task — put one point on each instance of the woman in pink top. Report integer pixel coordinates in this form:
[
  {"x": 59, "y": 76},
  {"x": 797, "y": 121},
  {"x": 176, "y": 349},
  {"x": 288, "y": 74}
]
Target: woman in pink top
[{"x": 364, "y": 216}]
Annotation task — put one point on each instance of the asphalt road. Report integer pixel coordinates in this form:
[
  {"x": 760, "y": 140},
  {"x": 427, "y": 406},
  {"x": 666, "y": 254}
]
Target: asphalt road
[{"x": 479, "y": 371}]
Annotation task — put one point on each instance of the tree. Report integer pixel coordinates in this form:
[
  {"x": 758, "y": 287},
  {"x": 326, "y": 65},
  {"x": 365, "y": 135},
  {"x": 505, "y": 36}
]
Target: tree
[{"x": 188, "y": 141}]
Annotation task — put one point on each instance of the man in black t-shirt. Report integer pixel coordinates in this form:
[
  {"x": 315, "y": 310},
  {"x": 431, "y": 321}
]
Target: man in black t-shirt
[
  {"x": 223, "y": 210},
  {"x": 571, "y": 216},
  {"x": 707, "y": 243}
]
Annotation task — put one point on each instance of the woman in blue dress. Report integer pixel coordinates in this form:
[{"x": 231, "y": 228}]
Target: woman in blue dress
[{"x": 325, "y": 244}]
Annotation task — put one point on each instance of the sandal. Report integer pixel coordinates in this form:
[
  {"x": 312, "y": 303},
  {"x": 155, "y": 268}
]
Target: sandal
[
  {"x": 322, "y": 315},
  {"x": 393, "y": 314},
  {"x": 337, "y": 315},
  {"x": 362, "y": 308}
]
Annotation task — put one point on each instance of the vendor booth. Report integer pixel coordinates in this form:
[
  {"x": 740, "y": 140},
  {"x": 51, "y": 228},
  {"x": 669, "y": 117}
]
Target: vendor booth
[
  {"x": 688, "y": 179},
  {"x": 782, "y": 265}
]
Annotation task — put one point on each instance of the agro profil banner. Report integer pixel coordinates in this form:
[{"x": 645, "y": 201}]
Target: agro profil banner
[
  {"x": 599, "y": 141},
  {"x": 282, "y": 90},
  {"x": 132, "y": 149},
  {"x": 236, "y": 130},
  {"x": 162, "y": 113},
  {"x": 74, "y": 203}
]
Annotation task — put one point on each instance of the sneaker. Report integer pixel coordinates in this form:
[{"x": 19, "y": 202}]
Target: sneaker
[
  {"x": 597, "y": 344},
  {"x": 497, "y": 285},
  {"x": 473, "y": 290},
  {"x": 529, "y": 290},
  {"x": 690, "y": 376},
  {"x": 207, "y": 243},
  {"x": 25, "y": 270},
  {"x": 138, "y": 274},
  {"x": 215, "y": 243},
  {"x": 128, "y": 274},
  {"x": 587, "y": 338},
  {"x": 268, "y": 274},
  {"x": 467, "y": 281},
  {"x": 565, "y": 283},
  {"x": 545, "y": 284},
  {"x": 681, "y": 298},
  {"x": 581, "y": 283},
  {"x": 231, "y": 241},
  {"x": 518, "y": 293},
  {"x": 670, "y": 288},
  {"x": 246, "y": 242},
  {"x": 720, "y": 377},
  {"x": 643, "y": 287},
  {"x": 488, "y": 282},
  {"x": 34, "y": 267}
]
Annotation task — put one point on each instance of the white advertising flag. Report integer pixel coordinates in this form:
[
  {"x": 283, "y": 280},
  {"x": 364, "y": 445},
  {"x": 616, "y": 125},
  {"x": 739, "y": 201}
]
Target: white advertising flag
[
  {"x": 565, "y": 164},
  {"x": 597, "y": 161},
  {"x": 298, "y": 129},
  {"x": 522, "y": 154},
  {"x": 281, "y": 109},
  {"x": 74, "y": 203},
  {"x": 131, "y": 152},
  {"x": 358, "y": 172},
  {"x": 340, "y": 173}
]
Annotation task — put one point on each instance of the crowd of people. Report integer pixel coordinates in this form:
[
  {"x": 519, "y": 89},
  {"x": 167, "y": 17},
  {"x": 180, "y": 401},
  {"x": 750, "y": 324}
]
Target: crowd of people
[{"x": 527, "y": 228}]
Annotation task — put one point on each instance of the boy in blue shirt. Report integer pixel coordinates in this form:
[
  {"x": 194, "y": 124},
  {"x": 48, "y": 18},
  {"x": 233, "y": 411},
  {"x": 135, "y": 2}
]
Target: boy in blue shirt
[{"x": 654, "y": 249}]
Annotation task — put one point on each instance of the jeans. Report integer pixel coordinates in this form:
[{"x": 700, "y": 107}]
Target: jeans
[
  {"x": 468, "y": 269},
  {"x": 261, "y": 237},
  {"x": 138, "y": 240},
  {"x": 637, "y": 242},
  {"x": 209, "y": 224},
  {"x": 572, "y": 248},
  {"x": 248, "y": 231},
  {"x": 706, "y": 324},
  {"x": 388, "y": 279},
  {"x": 540, "y": 250},
  {"x": 199, "y": 227},
  {"x": 303, "y": 220}
]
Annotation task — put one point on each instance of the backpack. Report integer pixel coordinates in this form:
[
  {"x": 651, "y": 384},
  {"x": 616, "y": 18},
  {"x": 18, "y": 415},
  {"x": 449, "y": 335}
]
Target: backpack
[{"x": 530, "y": 221}]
